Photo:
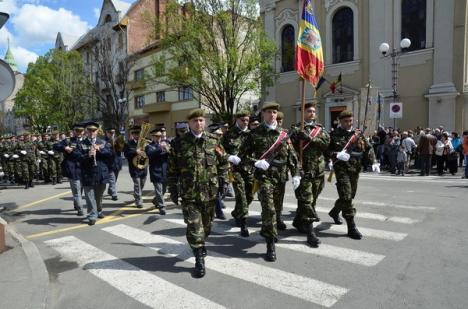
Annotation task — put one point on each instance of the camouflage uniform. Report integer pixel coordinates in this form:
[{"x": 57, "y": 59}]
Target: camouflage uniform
[
  {"x": 242, "y": 173},
  {"x": 27, "y": 161},
  {"x": 270, "y": 181},
  {"x": 347, "y": 173},
  {"x": 43, "y": 157},
  {"x": 313, "y": 178},
  {"x": 198, "y": 165},
  {"x": 52, "y": 158}
]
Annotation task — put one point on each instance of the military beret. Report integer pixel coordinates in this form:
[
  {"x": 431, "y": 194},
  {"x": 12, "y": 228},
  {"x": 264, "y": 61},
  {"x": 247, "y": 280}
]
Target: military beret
[
  {"x": 92, "y": 125},
  {"x": 242, "y": 113},
  {"x": 270, "y": 105},
  {"x": 309, "y": 105},
  {"x": 181, "y": 125},
  {"x": 280, "y": 116},
  {"x": 198, "y": 112},
  {"x": 26, "y": 133},
  {"x": 345, "y": 114}
]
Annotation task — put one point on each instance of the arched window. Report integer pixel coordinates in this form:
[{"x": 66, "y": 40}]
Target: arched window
[
  {"x": 287, "y": 48},
  {"x": 343, "y": 35},
  {"x": 413, "y": 23},
  {"x": 108, "y": 18}
]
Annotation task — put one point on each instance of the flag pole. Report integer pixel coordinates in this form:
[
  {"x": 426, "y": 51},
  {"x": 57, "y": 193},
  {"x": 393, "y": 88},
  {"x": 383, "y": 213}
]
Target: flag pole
[
  {"x": 364, "y": 126},
  {"x": 301, "y": 143}
]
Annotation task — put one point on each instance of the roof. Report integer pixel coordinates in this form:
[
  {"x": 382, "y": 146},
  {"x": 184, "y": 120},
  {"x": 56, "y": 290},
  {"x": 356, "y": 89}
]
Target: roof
[{"x": 10, "y": 59}]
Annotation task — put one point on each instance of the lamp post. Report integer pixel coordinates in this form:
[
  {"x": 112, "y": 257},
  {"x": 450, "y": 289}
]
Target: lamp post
[
  {"x": 384, "y": 48},
  {"x": 123, "y": 111}
]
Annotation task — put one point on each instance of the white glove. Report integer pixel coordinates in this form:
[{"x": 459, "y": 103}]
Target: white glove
[
  {"x": 39, "y": 161},
  {"x": 262, "y": 164},
  {"x": 376, "y": 168},
  {"x": 296, "y": 180},
  {"x": 234, "y": 159},
  {"x": 23, "y": 152},
  {"x": 330, "y": 166},
  {"x": 15, "y": 156},
  {"x": 343, "y": 156},
  {"x": 6, "y": 155},
  {"x": 50, "y": 152},
  {"x": 42, "y": 152},
  {"x": 2, "y": 174}
]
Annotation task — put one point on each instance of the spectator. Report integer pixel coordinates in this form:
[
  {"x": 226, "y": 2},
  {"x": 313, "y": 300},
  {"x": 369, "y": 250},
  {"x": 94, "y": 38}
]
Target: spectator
[
  {"x": 409, "y": 145},
  {"x": 401, "y": 160},
  {"x": 465, "y": 152},
  {"x": 425, "y": 150},
  {"x": 457, "y": 145},
  {"x": 443, "y": 149}
]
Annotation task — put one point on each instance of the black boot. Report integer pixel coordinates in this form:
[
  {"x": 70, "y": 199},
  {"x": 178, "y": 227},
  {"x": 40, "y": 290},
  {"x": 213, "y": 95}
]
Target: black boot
[
  {"x": 271, "y": 253},
  {"x": 352, "y": 229},
  {"x": 300, "y": 227},
  {"x": 26, "y": 184},
  {"x": 31, "y": 185},
  {"x": 335, "y": 216},
  {"x": 199, "y": 271},
  {"x": 280, "y": 225},
  {"x": 312, "y": 239},
  {"x": 54, "y": 181},
  {"x": 244, "y": 231}
]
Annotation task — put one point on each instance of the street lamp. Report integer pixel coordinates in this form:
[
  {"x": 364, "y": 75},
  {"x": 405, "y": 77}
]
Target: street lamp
[{"x": 384, "y": 48}]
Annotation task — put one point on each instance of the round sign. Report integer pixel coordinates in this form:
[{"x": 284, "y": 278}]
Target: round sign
[
  {"x": 7, "y": 80},
  {"x": 396, "y": 108}
]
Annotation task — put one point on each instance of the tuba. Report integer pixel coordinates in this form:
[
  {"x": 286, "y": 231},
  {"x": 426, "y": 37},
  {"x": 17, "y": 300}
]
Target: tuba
[{"x": 141, "y": 161}]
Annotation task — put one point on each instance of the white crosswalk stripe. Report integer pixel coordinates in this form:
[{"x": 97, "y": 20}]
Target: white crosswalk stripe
[
  {"x": 308, "y": 289},
  {"x": 132, "y": 281}
]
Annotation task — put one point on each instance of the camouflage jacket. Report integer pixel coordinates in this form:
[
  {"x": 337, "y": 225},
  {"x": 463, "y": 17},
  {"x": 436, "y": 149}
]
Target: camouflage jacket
[
  {"x": 313, "y": 156},
  {"x": 198, "y": 165},
  {"x": 258, "y": 142},
  {"x": 232, "y": 141},
  {"x": 27, "y": 146},
  {"x": 357, "y": 150}
]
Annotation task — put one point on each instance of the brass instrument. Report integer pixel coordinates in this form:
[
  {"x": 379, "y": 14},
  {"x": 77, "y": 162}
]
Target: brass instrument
[
  {"x": 93, "y": 144},
  {"x": 141, "y": 161}
]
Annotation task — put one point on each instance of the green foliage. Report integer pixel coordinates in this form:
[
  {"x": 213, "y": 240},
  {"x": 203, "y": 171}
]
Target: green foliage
[
  {"x": 216, "y": 47},
  {"x": 55, "y": 92}
]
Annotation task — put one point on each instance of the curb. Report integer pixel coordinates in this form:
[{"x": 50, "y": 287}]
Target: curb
[
  {"x": 3, "y": 225},
  {"x": 39, "y": 273}
]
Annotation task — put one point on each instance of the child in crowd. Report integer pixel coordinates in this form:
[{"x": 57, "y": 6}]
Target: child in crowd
[{"x": 401, "y": 159}]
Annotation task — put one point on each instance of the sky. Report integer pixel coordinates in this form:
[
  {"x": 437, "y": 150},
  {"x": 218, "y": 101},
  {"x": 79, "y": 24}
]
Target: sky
[{"x": 33, "y": 25}]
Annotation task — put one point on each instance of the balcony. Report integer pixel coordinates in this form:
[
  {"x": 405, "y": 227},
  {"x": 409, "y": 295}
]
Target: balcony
[
  {"x": 157, "y": 107},
  {"x": 137, "y": 84}
]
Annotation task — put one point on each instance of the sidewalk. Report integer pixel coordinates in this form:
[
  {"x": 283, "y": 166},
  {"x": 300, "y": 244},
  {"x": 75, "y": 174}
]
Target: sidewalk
[{"x": 24, "y": 280}]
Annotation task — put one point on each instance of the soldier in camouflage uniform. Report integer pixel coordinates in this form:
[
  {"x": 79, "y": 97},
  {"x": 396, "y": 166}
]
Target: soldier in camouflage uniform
[
  {"x": 13, "y": 161},
  {"x": 347, "y": 165},
  {"x": 52, "y": 158},
  {"x": 271, "y": 150},
  {"x": 56, "y": 137},
  {"x": 241, "y": 172},
  {"x": 314, "y": 146},
  {"x": 197, "y": 160},
  {"x": 280, "y": 225},
  {"x": 44, "y": 158}
]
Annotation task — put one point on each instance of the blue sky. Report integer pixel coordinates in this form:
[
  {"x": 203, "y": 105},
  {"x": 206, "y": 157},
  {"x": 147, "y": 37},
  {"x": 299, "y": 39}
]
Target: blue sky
[{"x": 33, "y": 24}]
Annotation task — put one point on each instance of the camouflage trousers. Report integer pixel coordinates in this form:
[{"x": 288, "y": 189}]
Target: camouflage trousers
[
  {"x": 307, "y": 195},
  {"x": 271, "y": 200},
  {"x": 52, "y": 168},
  {"x": 27, "y": 168},
  {"x": 346, "y": 185},
  {"x": 199, "y": 218},
  {"x": 243, "y": 184}
]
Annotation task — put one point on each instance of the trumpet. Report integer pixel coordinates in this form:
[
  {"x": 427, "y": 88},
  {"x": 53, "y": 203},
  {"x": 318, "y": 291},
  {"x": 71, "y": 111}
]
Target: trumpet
[
  {"x": 93, "y": 144},
  {"x": 141, "y": 161}
]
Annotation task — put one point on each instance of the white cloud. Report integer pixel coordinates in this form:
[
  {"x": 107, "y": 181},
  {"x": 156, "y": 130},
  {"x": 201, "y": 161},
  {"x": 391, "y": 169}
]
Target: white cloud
[
  {"x": 23, "y": 57},
  {"x": 8, "y": 6},
  {"x": 97, "y": 12},
  {"x": 121, "y": 6},
  {"x": 37, "y": 24}
]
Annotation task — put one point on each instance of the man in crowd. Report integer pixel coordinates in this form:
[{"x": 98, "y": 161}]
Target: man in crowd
[
  {"x": 138, "y": 175},
  {"x": 158, "y": 155},
  {"x": 115, "y": 161},
  {"x": 425, "y": 150}
]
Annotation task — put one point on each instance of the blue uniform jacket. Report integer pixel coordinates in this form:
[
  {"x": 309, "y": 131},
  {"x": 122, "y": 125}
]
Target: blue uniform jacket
[
  {"x": 130, "y": 153},
  {"x": 115, "y": 161},
  {"x": 71, "y": 161},
  {"x": 90, "y": 174},
  {"x": 158, "y": 160}
]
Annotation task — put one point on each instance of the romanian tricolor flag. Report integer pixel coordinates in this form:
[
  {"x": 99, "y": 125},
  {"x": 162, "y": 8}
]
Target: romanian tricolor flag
[{"x": 309, "y": 54}]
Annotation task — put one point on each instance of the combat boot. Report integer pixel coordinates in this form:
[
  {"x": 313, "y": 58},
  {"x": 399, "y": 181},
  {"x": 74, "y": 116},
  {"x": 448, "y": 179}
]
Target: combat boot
[
  {"x": 335, "y": 216},
  {"x": 244, "y": 231},
  {"x": 280, "y": 225},
  {"x": 54, "y": 181},
  {"x": 199, "y": 271},
  {"x": 271, "y": 253},
  {"x": 352, "y": 229},
  {"x": 312, "y": 239},
  {"x": 300, "y": 227}
]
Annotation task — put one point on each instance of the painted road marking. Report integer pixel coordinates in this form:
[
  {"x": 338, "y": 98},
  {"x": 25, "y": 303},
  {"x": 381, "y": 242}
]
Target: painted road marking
[
  {"x": 308, "y": 289},
  {"x": 142, "y": 286},
  {"x": 42, "y": 200}
]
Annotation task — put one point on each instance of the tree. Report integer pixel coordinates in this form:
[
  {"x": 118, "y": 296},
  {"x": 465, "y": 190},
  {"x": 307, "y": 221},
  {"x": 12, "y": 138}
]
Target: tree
[
  {"x": 216, "y": 47},
  {"x": 55, "y": 92}
]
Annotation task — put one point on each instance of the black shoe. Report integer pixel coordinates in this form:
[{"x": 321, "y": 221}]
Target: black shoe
[
  {"x": 244, "y": 231},
  {"x": 271, "y": 253},
  {"x": 300, "y": 227},
  {"x": 219, "y": 214},
  {"x": 80, "y": 213},
  {"x": 162, "y": 211},
  {"x": 59, "y": 180},
  {"x": 280, "y": 225},
  {"x": 115, "y": 198},
  {"x": 139, "y": 205},
  {"x": 91, "y": 222},
  {"x": 353, "y": 232},
  {"x": 100, "y": 215},
  {"x": 31, "y": 185},
  {"x": 199, "y": 270},
  {"x": 109, "y": 192},
  {"x": 26, "y": 185},
  {"x": 312, "y": 239},
  {"x": 336, "y": 217}
]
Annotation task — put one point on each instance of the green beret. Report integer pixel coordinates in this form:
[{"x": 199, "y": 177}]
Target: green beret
[
  {"x": 198, "y": 112},
  {"x": 242, "y": 113},
  {"x": 280, "y": 116},
  {"x": 270, "y": 105},
  {"x": 309, "y": 105},
  {"x": 26, "y": 133},
  {"x": 345, "y": 114}
]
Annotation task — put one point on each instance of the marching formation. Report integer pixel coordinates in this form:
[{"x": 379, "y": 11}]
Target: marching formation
[{"x": 197, "y": 168}]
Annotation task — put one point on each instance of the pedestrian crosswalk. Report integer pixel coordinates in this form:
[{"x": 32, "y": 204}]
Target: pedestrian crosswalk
[{"x": 310, "y": 287}]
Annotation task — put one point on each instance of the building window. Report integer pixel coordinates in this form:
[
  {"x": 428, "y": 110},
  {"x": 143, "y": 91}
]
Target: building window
[
  {"x": 139, "y": 101},
  {"x": 160, "y": 96},
  {"x": 343, "y": 35},
  {"x": 108, "y": 18},
  {"x": 413, "y": 23},
  {"x": 185, "y": 94},
  {"x": 287, "y": 48},
  {"x": 139, "y": 74}
]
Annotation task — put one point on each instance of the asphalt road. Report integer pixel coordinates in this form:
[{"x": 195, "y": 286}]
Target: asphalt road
[{"x": 413, "y": 254}]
